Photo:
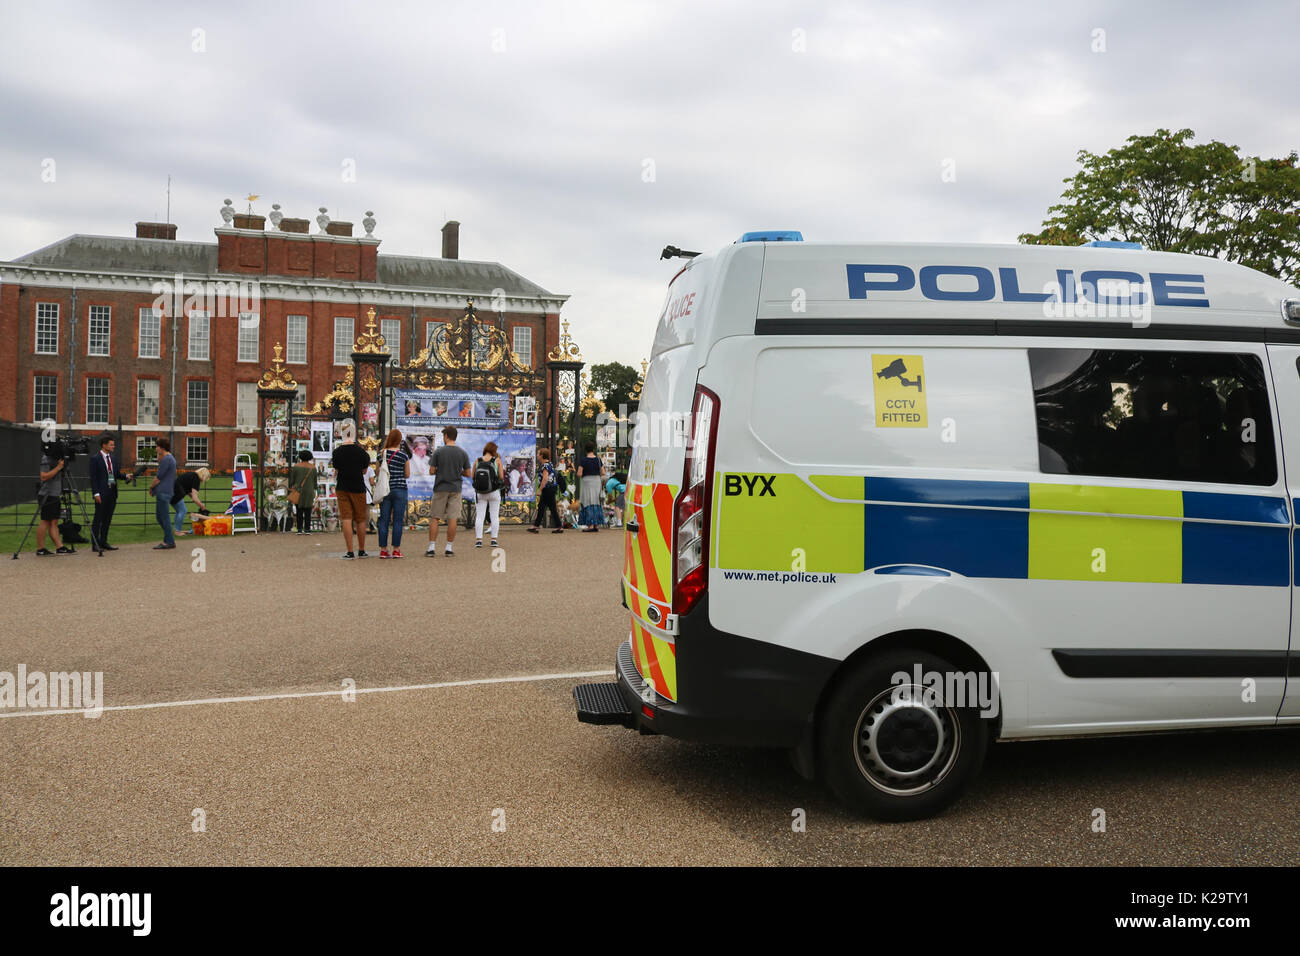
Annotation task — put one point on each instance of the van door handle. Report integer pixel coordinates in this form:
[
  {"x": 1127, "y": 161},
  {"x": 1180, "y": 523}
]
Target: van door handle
[{"x": 633, "y": 527}]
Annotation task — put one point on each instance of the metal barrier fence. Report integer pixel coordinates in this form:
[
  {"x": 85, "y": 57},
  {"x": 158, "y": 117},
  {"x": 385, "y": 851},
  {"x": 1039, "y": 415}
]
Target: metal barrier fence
[
  {"x": 134, "y": 506},
  {"x": 135, "y": 509}
]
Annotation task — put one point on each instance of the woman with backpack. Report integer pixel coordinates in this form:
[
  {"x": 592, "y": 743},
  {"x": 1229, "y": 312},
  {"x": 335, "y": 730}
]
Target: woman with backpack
[
  {"x": 488, "y": 481},
  {"x": 392, "y": 503}
]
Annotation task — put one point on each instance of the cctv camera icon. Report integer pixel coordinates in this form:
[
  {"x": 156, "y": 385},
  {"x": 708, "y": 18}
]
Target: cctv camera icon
[{"x": 895, "y": 369}]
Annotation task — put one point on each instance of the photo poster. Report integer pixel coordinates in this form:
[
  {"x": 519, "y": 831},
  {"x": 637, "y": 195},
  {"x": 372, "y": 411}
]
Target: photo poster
[
  {"x": 277, "y": 435},
  {"x": 276, "y": 444},
  {"x": 321, "y": 446},
  {"x": 525, "y": 412},
  {"x": 424, "y": 409},
  {"x": 369, "y": 420},
  {"x": 518, "y": 450},
  {"x": 322, "y": 439},
  {"x": 517, "y": 447}
]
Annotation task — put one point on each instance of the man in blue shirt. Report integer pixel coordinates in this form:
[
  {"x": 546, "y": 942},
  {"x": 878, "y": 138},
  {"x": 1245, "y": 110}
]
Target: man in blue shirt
[{"x": 164, "y": 484}]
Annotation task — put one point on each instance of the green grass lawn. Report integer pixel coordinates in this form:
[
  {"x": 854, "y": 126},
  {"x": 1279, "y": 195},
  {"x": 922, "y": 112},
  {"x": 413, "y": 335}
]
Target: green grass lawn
[{"x": 132, "y": 521}]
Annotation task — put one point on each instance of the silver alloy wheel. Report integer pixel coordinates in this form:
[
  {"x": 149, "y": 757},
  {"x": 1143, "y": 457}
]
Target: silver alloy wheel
[{"x": 904, "y": 746}]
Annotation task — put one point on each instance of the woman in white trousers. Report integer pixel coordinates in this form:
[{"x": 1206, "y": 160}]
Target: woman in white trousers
[{"x": 488, "y": 503}]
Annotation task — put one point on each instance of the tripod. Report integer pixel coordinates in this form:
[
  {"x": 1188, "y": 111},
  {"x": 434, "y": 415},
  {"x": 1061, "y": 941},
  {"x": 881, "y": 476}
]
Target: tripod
[{"x": 67, "y": 495}]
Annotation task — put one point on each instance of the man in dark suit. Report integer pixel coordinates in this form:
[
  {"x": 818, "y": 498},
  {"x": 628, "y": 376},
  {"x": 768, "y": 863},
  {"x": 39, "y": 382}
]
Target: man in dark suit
[{"x": 105, "y": 473}]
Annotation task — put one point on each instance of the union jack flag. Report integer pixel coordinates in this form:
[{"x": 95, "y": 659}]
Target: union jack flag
[{"x": 241, "y": 492}]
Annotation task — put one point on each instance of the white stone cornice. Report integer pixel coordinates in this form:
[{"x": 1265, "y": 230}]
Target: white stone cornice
[
  {"x": 278, "y": 234},
  {"x": 277, "y": 287}
]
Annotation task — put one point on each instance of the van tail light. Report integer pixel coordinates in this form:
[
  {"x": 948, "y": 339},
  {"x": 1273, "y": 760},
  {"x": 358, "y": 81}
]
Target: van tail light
[{"x": 691, "y": 513}]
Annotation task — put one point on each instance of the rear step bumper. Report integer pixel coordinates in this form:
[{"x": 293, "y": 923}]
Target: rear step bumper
[
  {"x": 730, "y": 689},
  {"x": 754, "y": 693},
  {"x": 617, "y": 702},
  {"x": 602, "y": 704}
]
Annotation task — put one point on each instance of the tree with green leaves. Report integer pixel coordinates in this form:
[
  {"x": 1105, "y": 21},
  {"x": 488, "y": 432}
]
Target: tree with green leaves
[
  {"x": 1173, "y": 195},
  {"x": 613, "y": 383}
]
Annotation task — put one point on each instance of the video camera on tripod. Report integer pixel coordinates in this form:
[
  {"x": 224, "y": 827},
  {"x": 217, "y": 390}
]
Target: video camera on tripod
[
  {"x": 66, "y": 449},
  {"x": 63, "y": 450}
]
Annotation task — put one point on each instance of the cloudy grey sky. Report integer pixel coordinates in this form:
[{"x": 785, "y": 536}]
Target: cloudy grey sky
[{"x": 534, "y": 123}]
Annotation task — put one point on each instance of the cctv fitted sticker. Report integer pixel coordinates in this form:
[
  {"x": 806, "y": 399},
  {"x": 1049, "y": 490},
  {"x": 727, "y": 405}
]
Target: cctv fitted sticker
[{"x": 899, "y": 382}]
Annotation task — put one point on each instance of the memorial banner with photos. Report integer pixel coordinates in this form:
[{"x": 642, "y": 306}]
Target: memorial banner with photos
[
  {"x": 516, "y": 446},
  {"x": 432, "y": 409}
]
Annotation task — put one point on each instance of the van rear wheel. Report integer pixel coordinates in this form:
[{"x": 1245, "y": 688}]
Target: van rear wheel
[{"x": 892, "y": 751}]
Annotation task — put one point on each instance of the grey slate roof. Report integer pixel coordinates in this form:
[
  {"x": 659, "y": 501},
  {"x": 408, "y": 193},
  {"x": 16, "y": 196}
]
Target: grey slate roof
[
  {"x": 166, "y": 256},
  {"x": 125, "y": 255},
  {"x": 458, "y": 275}
]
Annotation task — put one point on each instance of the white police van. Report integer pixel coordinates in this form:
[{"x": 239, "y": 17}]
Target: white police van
[{"x": 891, "y": 502}]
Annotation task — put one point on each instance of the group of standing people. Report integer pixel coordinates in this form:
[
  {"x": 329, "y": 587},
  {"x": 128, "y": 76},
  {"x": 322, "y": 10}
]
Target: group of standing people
[
  {"x": 172, "y": 489},
  {"x": 591, "y": 491},
  {"x": 448, "y": 464},
  {"x": 352, "y": 464},
  {"x": 169, "y": 489}
]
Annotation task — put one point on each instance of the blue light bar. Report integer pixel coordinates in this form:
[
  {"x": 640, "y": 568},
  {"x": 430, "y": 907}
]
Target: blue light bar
[
  {"x": 773, "y": 235},
  {"x": 1113, "y": 244}
]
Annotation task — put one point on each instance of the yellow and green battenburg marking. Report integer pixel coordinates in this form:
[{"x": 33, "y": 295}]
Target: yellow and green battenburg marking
[
  {"x": 1091, "y": 543},
  {"x": 1000, "y": 529},
  {"x": 762, "y": 524}
]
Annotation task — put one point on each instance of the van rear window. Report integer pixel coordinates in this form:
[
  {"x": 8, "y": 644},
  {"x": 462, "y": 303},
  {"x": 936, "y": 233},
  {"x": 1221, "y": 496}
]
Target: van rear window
[{"x": 1135, "y": 413}]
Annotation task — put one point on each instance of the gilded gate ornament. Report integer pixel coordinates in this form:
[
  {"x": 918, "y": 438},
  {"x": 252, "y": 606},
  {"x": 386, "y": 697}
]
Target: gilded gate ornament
[
  {"x": 370, "y": 342},
  {"x": 277, "y": 376},
  {"x": 567, "y": 350}
]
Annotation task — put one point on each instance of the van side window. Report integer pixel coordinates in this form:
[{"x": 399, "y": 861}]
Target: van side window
[{"x": 1182, "y": 416}]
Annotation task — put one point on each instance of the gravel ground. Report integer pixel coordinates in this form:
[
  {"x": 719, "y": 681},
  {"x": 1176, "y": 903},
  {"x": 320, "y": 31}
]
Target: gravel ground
[{"x": 420, "y": 776}]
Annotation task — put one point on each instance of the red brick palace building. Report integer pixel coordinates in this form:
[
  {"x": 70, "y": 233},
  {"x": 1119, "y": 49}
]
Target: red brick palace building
[{"x": 85, "y": 342}]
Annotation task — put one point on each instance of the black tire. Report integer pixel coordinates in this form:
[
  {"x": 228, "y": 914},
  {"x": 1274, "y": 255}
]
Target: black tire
[{"x": 914, "y": 763}]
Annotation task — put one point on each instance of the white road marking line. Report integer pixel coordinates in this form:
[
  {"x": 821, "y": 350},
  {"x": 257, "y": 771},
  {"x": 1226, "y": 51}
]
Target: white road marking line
[{"x": 315, "y": 693}]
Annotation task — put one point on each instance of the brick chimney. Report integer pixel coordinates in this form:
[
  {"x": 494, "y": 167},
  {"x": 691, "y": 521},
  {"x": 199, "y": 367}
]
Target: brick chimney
[
  {"x": 451, "y": 240},
  {"x": 337, "y": 227},
  {"x": 155, "y": 230}
]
